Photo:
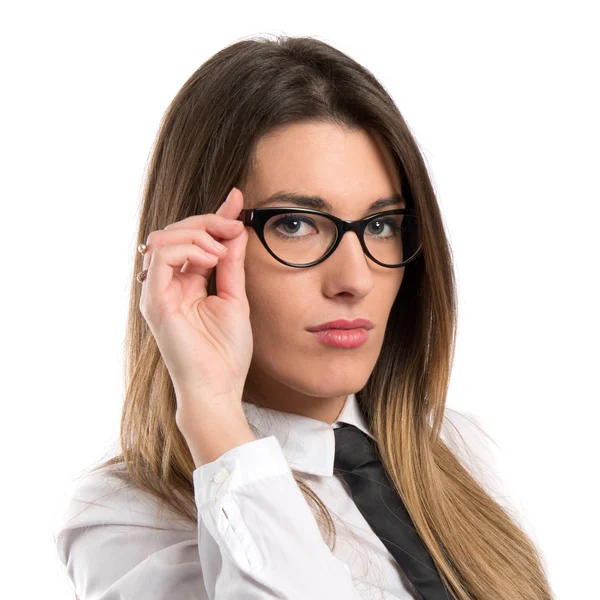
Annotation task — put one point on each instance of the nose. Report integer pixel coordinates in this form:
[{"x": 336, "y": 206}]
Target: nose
[
  {"x": 350, "y": 248},
  {"x": 348, "y": 267}
]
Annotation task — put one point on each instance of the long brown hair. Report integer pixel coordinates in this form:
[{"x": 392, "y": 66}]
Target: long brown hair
[{"x": 205, "y": 146}]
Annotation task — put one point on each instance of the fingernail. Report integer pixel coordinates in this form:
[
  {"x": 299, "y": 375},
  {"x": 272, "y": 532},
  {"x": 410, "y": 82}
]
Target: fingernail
[{"x": 229, "y": 195}]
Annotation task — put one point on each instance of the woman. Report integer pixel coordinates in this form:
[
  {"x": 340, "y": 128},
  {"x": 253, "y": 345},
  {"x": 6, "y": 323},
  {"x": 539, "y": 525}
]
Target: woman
[{"x": 242, "y": 420}]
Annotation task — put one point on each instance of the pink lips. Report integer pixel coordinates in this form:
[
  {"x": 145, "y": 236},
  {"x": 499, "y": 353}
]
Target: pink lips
[
  {"x": 343, "y": 324},
  {"x": 343, "y": 338},
  {"x": 343, "y": 333}
]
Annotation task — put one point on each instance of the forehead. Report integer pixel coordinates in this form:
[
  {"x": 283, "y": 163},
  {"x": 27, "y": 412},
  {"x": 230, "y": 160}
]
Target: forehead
[{"x": 324, "y": 159}]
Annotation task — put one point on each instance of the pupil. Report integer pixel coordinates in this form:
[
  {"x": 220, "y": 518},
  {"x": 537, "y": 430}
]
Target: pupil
[
  {"x": 378, "y": 222},
  {"x": 287, "y": 223}
]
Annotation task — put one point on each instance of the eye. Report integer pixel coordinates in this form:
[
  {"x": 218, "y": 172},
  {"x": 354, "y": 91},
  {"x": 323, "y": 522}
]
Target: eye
[
  {"x": 392, "y": 223},
  {"x": 285, "y": 227}
]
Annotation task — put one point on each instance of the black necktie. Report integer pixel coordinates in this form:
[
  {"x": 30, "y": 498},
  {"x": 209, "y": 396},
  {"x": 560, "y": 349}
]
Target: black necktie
[{"x": 357, "y": 462}]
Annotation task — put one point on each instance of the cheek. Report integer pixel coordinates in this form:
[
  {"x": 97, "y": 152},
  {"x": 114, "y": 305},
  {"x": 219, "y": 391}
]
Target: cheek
[
  {"x": 276, "y": 313},
  {"x": 280, "y": 297},
  {"x": 390, "y": 286}
]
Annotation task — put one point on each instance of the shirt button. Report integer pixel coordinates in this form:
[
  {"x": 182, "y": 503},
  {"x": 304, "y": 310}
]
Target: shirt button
[{"x": 221, "y": 475}]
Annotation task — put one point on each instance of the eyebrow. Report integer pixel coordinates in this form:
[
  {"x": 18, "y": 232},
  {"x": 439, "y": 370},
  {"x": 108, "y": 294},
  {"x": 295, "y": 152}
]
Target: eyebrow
[{"x": 318, "y": 203}]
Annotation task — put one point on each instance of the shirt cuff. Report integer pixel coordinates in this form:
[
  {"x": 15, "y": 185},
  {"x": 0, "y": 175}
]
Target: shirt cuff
[{"x": 240, "y": 465}]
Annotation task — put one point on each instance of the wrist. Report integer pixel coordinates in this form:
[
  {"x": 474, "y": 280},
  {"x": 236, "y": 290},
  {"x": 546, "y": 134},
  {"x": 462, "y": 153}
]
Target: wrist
[
  {"x": 212, "y": 434},
  {"x": 206, "y": 410}
]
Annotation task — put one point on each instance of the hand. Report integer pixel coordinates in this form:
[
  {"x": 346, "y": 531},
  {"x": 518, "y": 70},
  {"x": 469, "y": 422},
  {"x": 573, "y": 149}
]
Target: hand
[{"x": 205, "y": 341}]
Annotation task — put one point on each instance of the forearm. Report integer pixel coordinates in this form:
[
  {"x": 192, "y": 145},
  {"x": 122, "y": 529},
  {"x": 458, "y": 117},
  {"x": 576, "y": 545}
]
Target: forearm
[{"x": 212, "y": 434}]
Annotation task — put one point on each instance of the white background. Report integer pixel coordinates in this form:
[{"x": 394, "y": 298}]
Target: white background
[{"x": 503, "y": 100}]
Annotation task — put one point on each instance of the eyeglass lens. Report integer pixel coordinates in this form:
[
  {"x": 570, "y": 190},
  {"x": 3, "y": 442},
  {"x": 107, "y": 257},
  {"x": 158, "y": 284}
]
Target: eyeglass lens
[{"x": 301, "y": 239}]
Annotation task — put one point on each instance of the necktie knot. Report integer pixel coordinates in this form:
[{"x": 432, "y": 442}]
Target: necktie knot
[{"x": 353, "y": 448}]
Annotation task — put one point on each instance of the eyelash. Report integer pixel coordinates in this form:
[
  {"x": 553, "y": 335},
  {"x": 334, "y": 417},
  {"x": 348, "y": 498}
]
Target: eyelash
[{"x": 386, "y": 220}]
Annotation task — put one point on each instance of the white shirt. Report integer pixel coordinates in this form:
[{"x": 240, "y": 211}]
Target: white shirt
[{"x": 257, "y": 536}]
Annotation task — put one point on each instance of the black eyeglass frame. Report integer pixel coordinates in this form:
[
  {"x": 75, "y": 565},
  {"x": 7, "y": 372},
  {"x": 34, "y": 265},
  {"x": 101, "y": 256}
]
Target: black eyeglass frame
[{"x": 258, "y": 217}]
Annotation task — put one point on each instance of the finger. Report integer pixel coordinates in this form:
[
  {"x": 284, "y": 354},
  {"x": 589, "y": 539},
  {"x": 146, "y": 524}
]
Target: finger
[
  {"x": 230, "y": 275},
  {"x": 229, "y": 211},
  {"x": 199, "y": 237},
  {"x": 210, "y": 221},
  {"x": 219, "y": 224},
  {"x": 166, "y": 259},
  {"x": 203, "y": 235},
  {"x": 233, "y": 204}
]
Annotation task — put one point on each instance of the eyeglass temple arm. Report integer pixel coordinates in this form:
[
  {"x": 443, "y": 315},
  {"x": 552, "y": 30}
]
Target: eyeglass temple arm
[{"x": 245, "y": 217}]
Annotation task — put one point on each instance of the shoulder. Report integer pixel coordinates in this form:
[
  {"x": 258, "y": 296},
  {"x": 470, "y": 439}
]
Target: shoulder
[
  {"x": 106, "y": 497},
  {"x": 465, "y": 434},
  {"x": 116, "y": 540}
]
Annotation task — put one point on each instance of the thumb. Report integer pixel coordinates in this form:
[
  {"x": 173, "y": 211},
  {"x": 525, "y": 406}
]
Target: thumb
[{"x": 230, "y": 274}]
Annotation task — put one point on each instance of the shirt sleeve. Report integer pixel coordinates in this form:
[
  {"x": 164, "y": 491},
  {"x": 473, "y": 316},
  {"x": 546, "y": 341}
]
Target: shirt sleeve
[
  {"x": 265, "y": 530},
  {"x": 256, "y": 537},
  {"x": 114, "y": 546}
]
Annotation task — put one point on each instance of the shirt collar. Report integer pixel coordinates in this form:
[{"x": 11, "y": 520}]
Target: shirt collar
[{"x": 307, "y": 444}]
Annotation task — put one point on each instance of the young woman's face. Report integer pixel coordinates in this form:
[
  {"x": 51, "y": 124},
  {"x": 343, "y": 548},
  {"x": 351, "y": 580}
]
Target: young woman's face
[{"x": 291, "y": 368}]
